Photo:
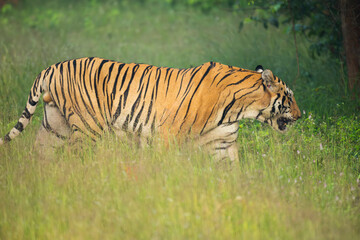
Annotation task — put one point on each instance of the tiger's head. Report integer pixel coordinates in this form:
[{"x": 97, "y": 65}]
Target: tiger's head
[{"x": 279, "y": 105}]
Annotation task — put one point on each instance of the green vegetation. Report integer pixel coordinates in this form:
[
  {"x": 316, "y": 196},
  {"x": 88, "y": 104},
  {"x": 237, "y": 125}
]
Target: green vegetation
[{"x": 300, "y": 185}]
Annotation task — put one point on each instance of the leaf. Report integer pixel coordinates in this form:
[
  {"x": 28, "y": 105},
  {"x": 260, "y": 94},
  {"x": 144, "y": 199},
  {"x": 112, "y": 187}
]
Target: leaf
[
  {"x": 7, "y": 8},
  {"x": 247, "y": 20},
  {"x": 274, "y": 8}
]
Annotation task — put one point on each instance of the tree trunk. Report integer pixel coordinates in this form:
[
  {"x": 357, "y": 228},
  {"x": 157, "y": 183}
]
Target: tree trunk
[{"x": 350, "y": 24}]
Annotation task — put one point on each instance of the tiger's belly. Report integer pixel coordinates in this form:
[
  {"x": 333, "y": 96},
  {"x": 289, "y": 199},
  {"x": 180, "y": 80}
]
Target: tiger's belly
[{"x": 123, "y": 126}]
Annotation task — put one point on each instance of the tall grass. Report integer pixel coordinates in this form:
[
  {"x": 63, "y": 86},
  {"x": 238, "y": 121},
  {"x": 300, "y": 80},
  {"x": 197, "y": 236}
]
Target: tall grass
[{"x": 301, "y": 185}]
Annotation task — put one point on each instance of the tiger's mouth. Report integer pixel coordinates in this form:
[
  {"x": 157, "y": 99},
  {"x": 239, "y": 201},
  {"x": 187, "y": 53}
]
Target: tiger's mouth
[{"x": 282, "y": 123}]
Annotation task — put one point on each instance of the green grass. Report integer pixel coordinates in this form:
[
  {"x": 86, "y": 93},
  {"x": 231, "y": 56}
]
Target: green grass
[{"x": 301, "y": 185}]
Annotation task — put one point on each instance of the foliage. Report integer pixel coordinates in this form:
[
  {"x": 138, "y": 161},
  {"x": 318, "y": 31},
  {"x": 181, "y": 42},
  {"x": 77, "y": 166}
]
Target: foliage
[{"x": 317, "y": 20}]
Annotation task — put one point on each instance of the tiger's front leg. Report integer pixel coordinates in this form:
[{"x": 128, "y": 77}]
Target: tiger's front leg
[
  {"x": 221, "y": 143},
  {"x": 227, "y": 157},
  {"x": 233, "y": 153}
]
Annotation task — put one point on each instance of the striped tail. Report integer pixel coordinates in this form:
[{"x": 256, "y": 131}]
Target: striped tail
[{"x": 28, "y": 112}]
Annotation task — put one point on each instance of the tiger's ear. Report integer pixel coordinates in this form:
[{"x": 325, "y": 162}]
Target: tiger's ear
[
  {"x": 269, "y": 80},
  {"x": 259, "y": 68}
]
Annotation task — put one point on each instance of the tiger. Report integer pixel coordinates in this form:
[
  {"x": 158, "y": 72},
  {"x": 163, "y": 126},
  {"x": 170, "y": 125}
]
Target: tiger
[{"x": 91, "y": 96}]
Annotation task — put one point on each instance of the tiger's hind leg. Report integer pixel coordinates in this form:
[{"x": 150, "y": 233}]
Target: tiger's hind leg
[{"x": 53, "y": 131}]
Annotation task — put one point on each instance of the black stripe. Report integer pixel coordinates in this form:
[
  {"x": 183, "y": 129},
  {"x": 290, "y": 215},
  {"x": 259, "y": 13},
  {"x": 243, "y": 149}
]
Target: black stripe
[
  {"x": 146, "y": 70},
  {"x": 117, "y": 112},
  {"x": 177, "y": 111},
  {"x": 187, "y": 90},
  {"x": 190, "y": 125},
  {"x": 76, "y": 106},
  {"x": 79, "y": 113},
  {"x": 147, "y": 84},
  {"x": 49, "y": 129},
  {"x": 51, "y": 76},
  {"x": 70, "y": 114},
  {"x": 75, "y": 128},
  {"x": 197, "y": 87},
  {"x": 167, "y": 72},
  {"x": 227, "y": 75},
  {"x": 248, "y": 76},
  {"x": 106, "y": 79},
  {"x": 47, "y": 71},
  {"x": 70, "y": 80},
  {"x": 153, "y": 124},
  {"x": 157, "y": 80},
  {"x": 214, "y": 78},
  {"x": 34, "y": 87},
  {"x": 57, "y": 64},
  {"x": 273, "y": 107},
  {"x": 222, "y": 148},
  {"x": 182, "y": 78},
  {"x": 232, "y": 133},
  {"x": 32, "y": 102},
  {"x": 27, "y": 114},
  {"x": 99, "y": 70},
  {"x": 123, "y": 79},
  {"x": 19, "y": 126},
  {"x": 226, "y": 110},
  {"x": 86, "y": 67},
  {"x": 97, "y": 82},
  {"x": 192, "y": 77},
  {"x": 135, "y": 105},
  {"x": 149, "y": 109},
  {"x": 107, "y": 96},
  {"x": 212, "y": 110},
  {"x": 248, "y": 92},
  {"x": 115, "y": 85},
  {"x": 91, "y": 70},
  {"x": 116, "y": 79},
  {"x": 163, "y": 114},
  {"x": 168, "y": 82},
  {"x": 81, "y": 70},
  {"x": 138, "y": 116},
  {"x": 221, "y": 140},
  {"x": 126, "y": 123},
  {"x": 238, "y": 115},
  {"x": 7, "y": 138},
  {"x": 177, "y": 75},
  {"x": 283, "y": 100},
  {"x": 139, "y": 131},
  {"x": 136, "y": 67},
  {"x": 248, "y": 105},
  {"x": 87, "y": 93},
  {"x": 74, "y": 69},
  {"x": 67, "y": 79}
]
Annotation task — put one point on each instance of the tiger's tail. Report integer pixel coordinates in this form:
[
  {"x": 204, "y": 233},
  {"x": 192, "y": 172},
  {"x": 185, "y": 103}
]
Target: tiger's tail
[{"x": 29, "y": 110}]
